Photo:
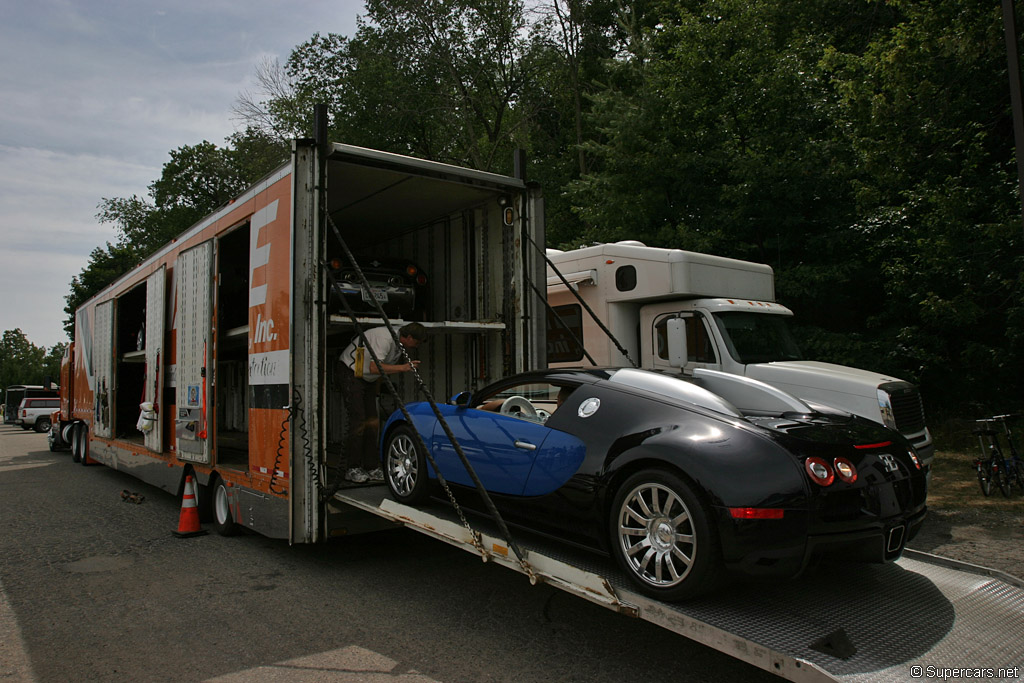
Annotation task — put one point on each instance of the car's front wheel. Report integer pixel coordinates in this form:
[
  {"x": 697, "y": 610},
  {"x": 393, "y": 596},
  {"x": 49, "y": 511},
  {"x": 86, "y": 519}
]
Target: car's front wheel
[
  {"x": 405, "y": 467},
  {"x": 662, "y": 536}
]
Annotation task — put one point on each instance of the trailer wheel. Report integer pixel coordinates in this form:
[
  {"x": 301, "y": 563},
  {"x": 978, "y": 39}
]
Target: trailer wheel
[
  {"x": 405, "y": 467},
  {"x": 82, "y": 434},
  {"x": 662, "y": 537},
  {"x": 72, "y": 439},
  {"x": 223, "y": 523}
]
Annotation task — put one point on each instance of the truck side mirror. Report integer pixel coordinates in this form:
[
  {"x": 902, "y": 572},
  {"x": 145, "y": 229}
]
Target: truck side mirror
[{"x": 676, "y": 330}]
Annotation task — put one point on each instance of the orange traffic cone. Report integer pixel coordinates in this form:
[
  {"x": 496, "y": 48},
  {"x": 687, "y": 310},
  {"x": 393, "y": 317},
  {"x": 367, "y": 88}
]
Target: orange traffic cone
[{"x": 188, "y": 521}]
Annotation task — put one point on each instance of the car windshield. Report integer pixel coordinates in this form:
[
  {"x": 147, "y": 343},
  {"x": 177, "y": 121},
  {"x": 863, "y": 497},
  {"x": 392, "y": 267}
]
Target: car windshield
[
  {"x": 673, "y": 387},
  {"x": 757, "y": 337}
]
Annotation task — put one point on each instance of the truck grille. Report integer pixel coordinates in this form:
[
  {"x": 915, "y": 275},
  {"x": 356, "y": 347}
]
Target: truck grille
[{"x": 907, "y": 408}]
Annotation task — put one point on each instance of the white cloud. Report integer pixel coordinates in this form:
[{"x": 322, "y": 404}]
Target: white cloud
[{"x": 95, "y": 97}]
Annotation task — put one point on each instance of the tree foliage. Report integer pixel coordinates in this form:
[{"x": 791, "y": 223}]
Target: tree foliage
[
  {"x": 22, "y": 362},
  {"x": 197, "y": 180},
  {"x": 863, "y": 148}
]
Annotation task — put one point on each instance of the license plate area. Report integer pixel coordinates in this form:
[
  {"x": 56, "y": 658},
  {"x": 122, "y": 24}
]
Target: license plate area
[{"x": 375, "y": 294}]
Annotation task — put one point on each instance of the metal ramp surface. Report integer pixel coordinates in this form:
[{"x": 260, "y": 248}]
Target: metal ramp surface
[{"x": 921, "y": 618}]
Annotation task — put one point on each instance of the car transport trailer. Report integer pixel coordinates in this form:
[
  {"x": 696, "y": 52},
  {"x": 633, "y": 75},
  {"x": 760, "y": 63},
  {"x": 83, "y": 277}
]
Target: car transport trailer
[
  {"x": 922, "y": 617},
  {"x": 216, "y": 359}
]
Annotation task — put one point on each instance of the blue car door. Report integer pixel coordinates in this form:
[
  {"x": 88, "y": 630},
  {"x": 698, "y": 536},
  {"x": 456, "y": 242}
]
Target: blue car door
[{"x": 501, "y": 449}]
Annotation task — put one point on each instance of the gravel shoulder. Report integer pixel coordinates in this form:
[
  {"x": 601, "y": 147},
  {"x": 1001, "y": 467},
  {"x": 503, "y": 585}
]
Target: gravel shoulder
[{"x": 964, "y": 525}]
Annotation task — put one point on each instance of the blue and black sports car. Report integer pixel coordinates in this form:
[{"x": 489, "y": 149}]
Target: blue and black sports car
[{"x": 677, "y": 479}]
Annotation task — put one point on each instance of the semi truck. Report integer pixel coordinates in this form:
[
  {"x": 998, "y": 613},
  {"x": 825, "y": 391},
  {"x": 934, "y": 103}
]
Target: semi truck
[
  {"x": 676, "y": 310},
  {"x": 216, "y": 359}
]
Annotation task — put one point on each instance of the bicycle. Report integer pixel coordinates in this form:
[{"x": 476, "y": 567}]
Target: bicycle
[
  {"x": 997, "y": 470},
  {"x": 1013, "y": 466}
]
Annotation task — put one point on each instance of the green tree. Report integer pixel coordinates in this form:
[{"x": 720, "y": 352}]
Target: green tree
[
  {"x": 194, "y": 182},
  {"x": 105, "y": 265},
  {"x": 438, "y": 79},
  {"x": 926, "y": 108},
  {"x": 22, "y": 362},
  {"x": 719, "y": 135}
]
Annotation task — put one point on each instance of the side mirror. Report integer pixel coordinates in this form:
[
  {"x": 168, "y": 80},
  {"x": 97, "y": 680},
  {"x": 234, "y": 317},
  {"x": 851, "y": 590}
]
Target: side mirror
[
  {"x": 676, "y": 329},
  {"x": 462, "y": 399}
]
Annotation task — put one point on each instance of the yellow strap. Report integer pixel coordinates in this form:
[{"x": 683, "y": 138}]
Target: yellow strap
[{"x": 357, "y": 364}]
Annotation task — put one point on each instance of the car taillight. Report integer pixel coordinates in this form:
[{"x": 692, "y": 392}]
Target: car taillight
[
  {"x": 421, "y": 279},
  {"x": 914, "y": 459},
  {"x": 756, "y": 513},
  {"x": 866, "y": 446},
  {"x": 411, "y": 270},
  {"x": 819, "y": 471},
  {"x": 845, "y": 470},
  {"x": 335, "y": 263}
]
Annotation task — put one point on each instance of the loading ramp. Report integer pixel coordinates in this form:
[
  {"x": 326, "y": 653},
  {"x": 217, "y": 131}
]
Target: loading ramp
[{"x": 921, "y": 618}]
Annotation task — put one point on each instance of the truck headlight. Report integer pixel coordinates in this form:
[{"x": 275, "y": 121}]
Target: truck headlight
[{"x": 885, "y": 408}]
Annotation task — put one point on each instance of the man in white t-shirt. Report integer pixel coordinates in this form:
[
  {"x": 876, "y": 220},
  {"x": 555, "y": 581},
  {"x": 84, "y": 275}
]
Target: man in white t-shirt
[{"x": 360, "y": 388}]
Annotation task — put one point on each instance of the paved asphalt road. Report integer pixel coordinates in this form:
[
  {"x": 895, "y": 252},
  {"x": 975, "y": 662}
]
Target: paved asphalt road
[{"x": 93, "y": 588}]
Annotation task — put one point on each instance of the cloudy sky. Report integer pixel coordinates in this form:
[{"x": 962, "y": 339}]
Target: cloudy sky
[{"x": 94, "y": 94}]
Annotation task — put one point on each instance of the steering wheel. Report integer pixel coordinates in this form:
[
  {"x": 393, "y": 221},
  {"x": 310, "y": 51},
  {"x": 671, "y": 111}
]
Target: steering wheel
[{"x": 520, "y": 405}]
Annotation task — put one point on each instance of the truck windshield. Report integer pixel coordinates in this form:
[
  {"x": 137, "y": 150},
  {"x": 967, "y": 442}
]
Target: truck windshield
[{"x": 757, "y": 337}]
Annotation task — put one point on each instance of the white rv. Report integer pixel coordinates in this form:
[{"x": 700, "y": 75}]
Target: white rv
[{"x": 677, "y": 310}]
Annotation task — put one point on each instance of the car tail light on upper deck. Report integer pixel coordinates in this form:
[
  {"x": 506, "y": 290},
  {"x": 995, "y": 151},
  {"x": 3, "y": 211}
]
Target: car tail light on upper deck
[
  {"x": 819, "y": 471},
  {"x": 845, "y": 470}
]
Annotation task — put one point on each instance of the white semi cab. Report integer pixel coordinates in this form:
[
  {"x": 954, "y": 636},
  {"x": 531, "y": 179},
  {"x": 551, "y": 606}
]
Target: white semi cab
[{"x": 677, "y": 311}]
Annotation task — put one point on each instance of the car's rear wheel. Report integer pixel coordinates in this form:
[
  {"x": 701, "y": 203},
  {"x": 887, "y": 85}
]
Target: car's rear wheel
[
  {"x": 405, "y": 467},
  {"x": 662, "y": 537},
  {"x": 43, "y": 425}
]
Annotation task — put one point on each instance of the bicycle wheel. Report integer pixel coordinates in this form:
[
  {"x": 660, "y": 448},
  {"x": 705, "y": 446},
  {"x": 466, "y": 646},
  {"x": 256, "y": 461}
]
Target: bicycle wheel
[
  {"x": 1016, "y": 474},
  {"x": 983, "y": 479},
  {"x": 1000, "y": 478}
]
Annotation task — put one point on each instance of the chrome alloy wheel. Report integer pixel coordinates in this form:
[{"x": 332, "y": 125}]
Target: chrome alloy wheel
[
  {"x": 402, "y": 465},
  {"x": 656, "y": 535}
]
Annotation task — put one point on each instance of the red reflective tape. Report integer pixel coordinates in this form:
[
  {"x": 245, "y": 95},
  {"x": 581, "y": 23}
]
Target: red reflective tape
[
  {"x": 756, "y": 513},
  {"x": 874, "y": 445}
]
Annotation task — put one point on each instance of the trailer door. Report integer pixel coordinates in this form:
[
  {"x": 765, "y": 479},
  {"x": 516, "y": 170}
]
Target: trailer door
[
  {"x": 103, "y": 354},
  {"x": 155, "y": 287},
  {"x": 191, "y": 426}
]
